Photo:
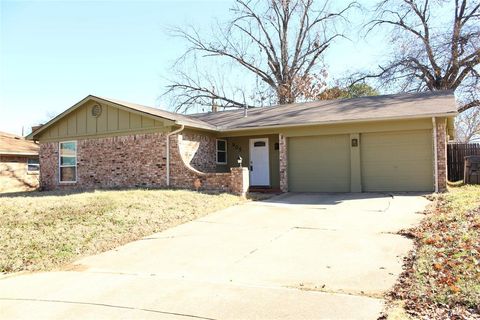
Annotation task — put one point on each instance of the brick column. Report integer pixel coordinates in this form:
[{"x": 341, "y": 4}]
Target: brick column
[
  {"x": 282, "y": 141},
  {"x": 441, "y": 153},
  {"x": 240, "y": 180}
]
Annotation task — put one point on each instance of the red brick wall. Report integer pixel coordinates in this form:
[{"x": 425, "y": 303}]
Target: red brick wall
[
  {"x": 201, "y": 149},
  {"x": 140, "y": 160},
  {"x": 125, "y": 161},
  {"x": 48, "y": 165},
  {"x": 184, "y": 174},
  {"x": 239, "y": 180}
]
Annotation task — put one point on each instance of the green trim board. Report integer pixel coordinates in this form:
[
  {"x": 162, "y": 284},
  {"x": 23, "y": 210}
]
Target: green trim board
[
  {"x": 345, "y": 128},
  {"x": 110, "y": 134}
]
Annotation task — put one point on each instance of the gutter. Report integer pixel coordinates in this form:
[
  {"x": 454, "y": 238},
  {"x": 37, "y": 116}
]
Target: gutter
[
  {"x": 9, "y": 153},
  {"x": 168, "y": 151},
  {"x": 434, "y": 122},
  {"x": 276, "y": 126}
]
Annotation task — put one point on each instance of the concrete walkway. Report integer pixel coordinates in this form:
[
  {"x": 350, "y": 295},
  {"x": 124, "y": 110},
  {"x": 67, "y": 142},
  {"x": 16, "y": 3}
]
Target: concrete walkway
[{"x": 296, "y": 256}]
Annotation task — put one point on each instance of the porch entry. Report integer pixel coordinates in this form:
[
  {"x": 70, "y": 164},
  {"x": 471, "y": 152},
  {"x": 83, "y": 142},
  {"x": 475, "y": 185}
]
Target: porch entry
[{"x": 259, "y": 162}]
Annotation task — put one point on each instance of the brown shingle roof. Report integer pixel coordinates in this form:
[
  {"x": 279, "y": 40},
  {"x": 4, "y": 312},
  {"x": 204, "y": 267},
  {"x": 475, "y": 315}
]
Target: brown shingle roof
[
  {"x": 385, "y": 107},
  {"x": 12, "y": 144},
  {"x": 397, "y": 106}
]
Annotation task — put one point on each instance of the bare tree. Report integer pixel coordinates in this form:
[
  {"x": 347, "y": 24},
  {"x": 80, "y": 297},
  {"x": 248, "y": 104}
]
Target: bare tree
[
  {"x": 277, "y": 43},
  {"x": 467, "y": 125},
  {"x": 436, "y": 46}
]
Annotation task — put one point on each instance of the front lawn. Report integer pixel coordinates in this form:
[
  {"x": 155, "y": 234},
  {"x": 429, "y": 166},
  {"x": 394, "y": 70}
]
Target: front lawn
[
  {"x": 442, "y": 276},
  {"x": 43, "y": 230}
]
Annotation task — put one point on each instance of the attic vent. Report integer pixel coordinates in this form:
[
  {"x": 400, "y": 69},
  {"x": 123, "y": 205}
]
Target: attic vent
[{"x": 96, "y": 110}]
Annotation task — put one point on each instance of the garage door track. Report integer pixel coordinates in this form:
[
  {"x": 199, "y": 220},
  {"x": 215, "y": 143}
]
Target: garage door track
[{"x": 295, "y": 256}]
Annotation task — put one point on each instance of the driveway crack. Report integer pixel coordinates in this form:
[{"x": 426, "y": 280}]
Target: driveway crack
[
  {"x": 314, "y": 228},
  {"x": 338, "y": 291},
  {"x": 389, "y": 202},
  {"x": 108, "y": 306},
  {"x": 268, "y": 242}
]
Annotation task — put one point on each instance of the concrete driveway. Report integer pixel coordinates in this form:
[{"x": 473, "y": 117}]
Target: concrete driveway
[{"x": 296, "y": 256}]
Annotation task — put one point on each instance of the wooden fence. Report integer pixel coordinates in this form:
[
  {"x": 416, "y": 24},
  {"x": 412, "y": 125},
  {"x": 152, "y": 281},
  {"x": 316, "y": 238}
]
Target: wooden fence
[{"x": 456, "y": 153}]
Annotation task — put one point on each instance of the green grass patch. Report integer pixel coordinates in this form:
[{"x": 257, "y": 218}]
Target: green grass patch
[
  {"x": 43, "y": 230},
  {"x": 443, "y": 275}
]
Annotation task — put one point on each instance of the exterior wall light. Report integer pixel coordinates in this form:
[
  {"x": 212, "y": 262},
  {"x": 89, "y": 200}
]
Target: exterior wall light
[{"x": 239, "y": 161}]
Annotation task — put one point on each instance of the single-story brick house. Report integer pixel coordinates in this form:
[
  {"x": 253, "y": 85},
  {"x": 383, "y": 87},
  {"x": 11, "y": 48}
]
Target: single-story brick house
[
  {"x": 19, "y": 164},
  {"x": 368, "y": 144}
]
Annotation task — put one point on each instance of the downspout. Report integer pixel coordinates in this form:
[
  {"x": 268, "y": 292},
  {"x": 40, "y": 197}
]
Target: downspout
[
  {"x": 168, "y": 151},
  {"x": 435, "y": 155}
]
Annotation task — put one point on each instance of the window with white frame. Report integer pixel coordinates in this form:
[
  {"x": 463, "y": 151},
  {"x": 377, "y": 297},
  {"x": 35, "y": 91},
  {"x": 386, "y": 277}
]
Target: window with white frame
[
  {"x": 221, "y": 151},
  {"x": 68, "y": 161},
  {"x": 33, "y": 165}
]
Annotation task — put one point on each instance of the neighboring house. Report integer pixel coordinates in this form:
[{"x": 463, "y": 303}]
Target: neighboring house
[
  {"x": 19, "y": 163},
  {"x": 369, "y": 144}
]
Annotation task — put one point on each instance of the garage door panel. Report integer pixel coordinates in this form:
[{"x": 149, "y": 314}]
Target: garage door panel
[
  {"x": 413, "y": 154},
  {"x": 397, "y": 161},
  {"x": 401, "y": 185},
  {"x": 410, "y": 167},
  {"x": 319, "y": 164}
]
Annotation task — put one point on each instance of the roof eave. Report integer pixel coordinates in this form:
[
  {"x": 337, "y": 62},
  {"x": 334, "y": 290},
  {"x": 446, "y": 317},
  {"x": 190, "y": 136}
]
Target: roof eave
[
  {"x": 423, "y": 116},
  {"x": 187, "y": 124},
  {"x": 18, "y": 153}
]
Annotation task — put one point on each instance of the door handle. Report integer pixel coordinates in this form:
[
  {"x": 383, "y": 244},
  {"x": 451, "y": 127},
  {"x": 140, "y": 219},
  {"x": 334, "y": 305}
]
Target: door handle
[{"x": 251, "y": 168}]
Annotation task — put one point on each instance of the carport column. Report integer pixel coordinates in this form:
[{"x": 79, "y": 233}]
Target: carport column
[
  {"x": 282, "y": 142},
  {"x": 355, "y": 169}
]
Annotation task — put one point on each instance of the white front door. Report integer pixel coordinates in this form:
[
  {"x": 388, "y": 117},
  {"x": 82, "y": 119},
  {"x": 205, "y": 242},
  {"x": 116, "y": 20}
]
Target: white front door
[{"x": 259, "y": 162}]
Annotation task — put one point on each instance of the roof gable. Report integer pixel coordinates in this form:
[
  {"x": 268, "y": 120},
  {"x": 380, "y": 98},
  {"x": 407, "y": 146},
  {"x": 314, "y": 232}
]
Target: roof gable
[
  {"x": 114, "y": 116},
  {"x": 93, "y": 116}
]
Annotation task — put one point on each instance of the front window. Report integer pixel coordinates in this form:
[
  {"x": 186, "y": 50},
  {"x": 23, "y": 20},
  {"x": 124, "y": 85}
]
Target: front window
[
  {"x": 259, "y": 144},
  {"x": 33, "y": 165},
  {"x": 222, "y": 151},
  {"x": 68, "y": 161}
]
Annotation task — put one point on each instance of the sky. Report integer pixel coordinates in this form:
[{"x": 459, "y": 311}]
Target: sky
[{"x": 54, "y": 53}]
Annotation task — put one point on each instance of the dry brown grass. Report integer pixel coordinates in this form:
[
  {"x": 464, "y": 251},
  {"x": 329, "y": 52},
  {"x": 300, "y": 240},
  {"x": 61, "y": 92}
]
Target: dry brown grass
[
  {"x": 43, "y": 230},
  {"x": 442, "y": 277}
]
